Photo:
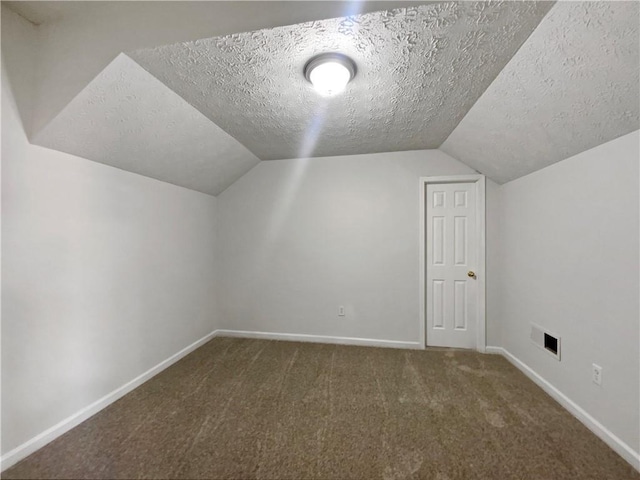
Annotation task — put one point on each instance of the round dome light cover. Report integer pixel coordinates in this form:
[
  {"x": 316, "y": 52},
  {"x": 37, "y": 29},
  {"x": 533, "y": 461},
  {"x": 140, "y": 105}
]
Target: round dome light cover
[{"x": 329, "y": 73}]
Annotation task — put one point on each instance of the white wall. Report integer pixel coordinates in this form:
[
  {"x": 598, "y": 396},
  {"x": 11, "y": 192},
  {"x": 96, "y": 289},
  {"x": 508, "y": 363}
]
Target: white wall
[
  {"x": 298, "y": 238},
  {"x": 105, "y": 273},
  {"x": 570, "y": 263},
  {"x": 493, "y": 263}
]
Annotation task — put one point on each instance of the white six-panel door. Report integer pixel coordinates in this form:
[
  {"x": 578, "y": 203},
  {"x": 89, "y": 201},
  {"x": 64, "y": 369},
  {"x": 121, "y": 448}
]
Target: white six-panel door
[{"x": 451, "y": 256}]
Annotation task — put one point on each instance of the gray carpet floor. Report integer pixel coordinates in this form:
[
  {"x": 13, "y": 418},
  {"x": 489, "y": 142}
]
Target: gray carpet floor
[{"x": 258, "y": 409}]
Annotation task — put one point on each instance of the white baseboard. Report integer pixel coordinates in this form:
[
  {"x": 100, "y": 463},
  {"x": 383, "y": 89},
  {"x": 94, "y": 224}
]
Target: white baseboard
[
  {"x": 297, "y": 337},
  {"x": 620, "y": 447},
  {"x": 494, "y": 350},
  {"x": 14, "y": 456},
  {"x": 27, "y": 448}
]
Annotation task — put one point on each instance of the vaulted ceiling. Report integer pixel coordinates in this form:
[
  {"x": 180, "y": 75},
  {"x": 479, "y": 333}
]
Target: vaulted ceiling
[
  {"x": 506, "y": 87},
  {"x": 572, "y": 86},
  {"x": 419, "y": 72},
  {"x": 128, "y": 119}
]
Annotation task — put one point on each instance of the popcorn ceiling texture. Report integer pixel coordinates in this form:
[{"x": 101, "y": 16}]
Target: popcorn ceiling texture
[
  {"x": 201, "y": 114},
  {"x": 420, "y": 69},
  {"x": 128, "y": 119},
  {"x": 572, "y": 86}
]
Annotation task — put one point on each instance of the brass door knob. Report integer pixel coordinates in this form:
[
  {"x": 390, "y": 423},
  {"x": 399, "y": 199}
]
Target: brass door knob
[{"x": 471, "y": 274}]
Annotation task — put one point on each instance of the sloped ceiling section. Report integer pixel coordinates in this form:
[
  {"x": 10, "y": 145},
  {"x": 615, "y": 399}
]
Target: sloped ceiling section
[
  {"x": 201, "y": 114},
  {"x": 572, "y": 86},
  {"x": 419, "y": 71},
  {"x": 128, "y": 119}
]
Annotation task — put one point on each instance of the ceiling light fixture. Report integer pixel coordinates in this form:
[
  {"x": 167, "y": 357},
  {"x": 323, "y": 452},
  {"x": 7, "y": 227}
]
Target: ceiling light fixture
[{"x": 329, "y": 73}]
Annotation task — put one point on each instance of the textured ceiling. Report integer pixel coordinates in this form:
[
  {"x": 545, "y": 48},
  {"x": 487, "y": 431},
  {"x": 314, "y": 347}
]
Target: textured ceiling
[
  {"x": 128, "y": 119},
  {"x": 572, "y": 86},
  {"x": 420, "y": 69},
  {"x": 78, "y": 39},
  {"x": 201, "y": 114}
]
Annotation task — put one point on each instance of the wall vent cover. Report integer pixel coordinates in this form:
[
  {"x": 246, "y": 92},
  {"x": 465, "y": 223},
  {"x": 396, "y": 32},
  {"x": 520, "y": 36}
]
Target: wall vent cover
[{"x": 545, "y": 340}]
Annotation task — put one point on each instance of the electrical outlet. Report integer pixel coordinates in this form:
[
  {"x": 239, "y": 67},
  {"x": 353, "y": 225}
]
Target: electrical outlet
[
  {"x": 341, "y": 311},
  {"x": 596, "y": 374}
]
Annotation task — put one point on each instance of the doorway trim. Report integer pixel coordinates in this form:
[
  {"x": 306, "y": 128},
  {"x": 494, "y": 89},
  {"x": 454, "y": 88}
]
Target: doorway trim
[{"x": 480, "y": 241}]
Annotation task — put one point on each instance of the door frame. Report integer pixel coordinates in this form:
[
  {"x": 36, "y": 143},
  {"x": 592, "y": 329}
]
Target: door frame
[{"x": 480, "y": 242}]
